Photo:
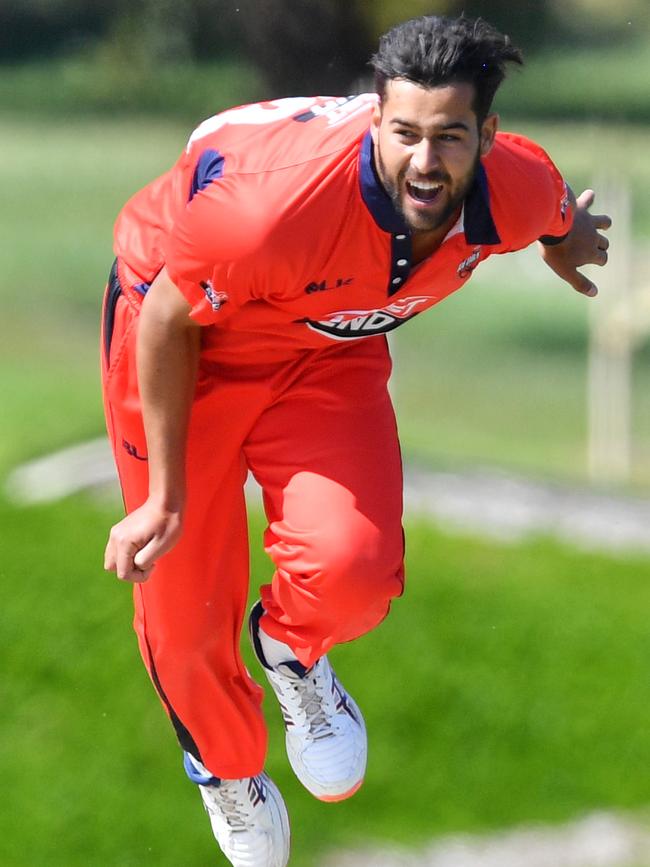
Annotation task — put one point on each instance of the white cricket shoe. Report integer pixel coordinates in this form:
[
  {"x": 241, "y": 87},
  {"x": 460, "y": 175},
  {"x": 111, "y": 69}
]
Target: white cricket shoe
[
  {"x": 325, "y": 733},
  {"x": 249, "y": 821}
]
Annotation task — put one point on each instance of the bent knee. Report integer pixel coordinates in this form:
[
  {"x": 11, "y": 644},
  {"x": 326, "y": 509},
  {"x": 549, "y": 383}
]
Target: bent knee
[
  {"x": 343, "y": 547},
  {"x": 357, "y": 549}
]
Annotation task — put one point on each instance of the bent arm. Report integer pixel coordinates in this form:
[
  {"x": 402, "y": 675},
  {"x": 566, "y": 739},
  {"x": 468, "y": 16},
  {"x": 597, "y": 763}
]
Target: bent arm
[{"x": 167, "y": 361}]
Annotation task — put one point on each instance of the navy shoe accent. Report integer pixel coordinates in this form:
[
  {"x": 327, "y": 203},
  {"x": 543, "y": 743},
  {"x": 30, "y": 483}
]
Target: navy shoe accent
[
  {"x": 297, "y": 667},
  {"x": 195, "y": 775},
  {"x": 257, "y": 612},
  {"x": 254, "y": 617}
]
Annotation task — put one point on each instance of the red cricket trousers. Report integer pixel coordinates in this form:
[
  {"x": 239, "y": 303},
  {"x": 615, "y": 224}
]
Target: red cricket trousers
[{"x": 317, "y": 431}]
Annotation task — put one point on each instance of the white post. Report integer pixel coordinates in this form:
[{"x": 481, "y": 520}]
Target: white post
[{"x": 610, "y": 345}]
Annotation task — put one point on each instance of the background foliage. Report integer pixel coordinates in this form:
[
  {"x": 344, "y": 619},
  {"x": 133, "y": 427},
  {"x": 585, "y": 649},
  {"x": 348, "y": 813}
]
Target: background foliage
[{"x": 289, "y": 46}]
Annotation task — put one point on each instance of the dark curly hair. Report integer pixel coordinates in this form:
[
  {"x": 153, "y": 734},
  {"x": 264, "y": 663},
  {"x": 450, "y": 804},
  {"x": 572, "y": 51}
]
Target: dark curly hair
[{"x": 434, "y": 50}]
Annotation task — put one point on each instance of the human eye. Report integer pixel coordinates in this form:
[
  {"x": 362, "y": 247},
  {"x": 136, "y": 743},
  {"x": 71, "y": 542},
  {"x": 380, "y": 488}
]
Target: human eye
[{"x": 406, "y": 134}]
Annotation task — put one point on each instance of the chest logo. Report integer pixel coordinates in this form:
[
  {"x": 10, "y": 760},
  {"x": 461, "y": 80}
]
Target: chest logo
[
  {"x": 467, "y": 265},
  {"x": 353, "y": 324}
]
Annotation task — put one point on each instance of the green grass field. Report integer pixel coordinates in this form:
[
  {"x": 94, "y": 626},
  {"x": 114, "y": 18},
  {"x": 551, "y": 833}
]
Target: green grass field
[{"x": 508, "y": 685}]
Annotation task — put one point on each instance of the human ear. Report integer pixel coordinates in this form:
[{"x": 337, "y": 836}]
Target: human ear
[
  {"x": 488, "y": 132},
  {"x": 375, "y": 120}
]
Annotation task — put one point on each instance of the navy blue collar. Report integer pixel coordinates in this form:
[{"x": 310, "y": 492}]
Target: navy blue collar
[
  {"x": 373, "y": 193},
  {"x": 478, "y": 223}
]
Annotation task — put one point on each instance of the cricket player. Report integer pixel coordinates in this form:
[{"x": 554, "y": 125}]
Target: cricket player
[{"x": 244, "y": 331}]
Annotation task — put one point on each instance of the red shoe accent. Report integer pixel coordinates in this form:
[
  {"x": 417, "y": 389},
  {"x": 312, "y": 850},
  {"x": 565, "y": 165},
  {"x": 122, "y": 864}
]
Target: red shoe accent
[{"x": 332, "y": 799}]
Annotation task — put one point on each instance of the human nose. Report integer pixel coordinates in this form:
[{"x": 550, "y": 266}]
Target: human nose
[{"x": 425, "y": 157}]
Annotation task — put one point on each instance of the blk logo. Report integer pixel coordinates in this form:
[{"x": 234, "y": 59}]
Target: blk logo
[
  {"x": 132, "y": 450},
  {"x": 323, "y": 285}
]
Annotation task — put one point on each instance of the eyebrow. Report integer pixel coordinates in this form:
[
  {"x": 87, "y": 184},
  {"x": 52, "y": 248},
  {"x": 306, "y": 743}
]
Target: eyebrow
[{"x": 398, "y": 121}]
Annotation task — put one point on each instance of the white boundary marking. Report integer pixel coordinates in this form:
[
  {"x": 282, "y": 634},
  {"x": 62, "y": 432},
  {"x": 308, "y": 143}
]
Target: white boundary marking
[
  {"x": 597, "y": 840},
  {"x": 64, "y": 472}
]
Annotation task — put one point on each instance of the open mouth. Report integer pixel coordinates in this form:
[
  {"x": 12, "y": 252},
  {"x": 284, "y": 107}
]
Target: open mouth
[{"x": 423, "y": 191}]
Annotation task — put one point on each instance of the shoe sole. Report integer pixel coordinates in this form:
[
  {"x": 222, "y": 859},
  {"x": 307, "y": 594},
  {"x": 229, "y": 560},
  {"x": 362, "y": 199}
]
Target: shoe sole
[{"x": 333, "y": 799}]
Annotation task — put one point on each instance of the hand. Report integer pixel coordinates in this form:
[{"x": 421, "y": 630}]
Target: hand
[
  {"x": 139, "y": 540},
  {"x": 584, "y": 245}
]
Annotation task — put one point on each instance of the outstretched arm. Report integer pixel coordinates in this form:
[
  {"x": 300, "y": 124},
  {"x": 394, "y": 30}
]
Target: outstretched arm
[
  {"x": 584, "y": 245},
  {"x": 167, "y": 360}
]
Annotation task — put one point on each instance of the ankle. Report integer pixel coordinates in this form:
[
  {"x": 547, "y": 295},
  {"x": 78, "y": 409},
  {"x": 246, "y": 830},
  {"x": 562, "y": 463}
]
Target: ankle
[
  {"x": 198, "y": 773},
  {"x": 270, "y": 651}
]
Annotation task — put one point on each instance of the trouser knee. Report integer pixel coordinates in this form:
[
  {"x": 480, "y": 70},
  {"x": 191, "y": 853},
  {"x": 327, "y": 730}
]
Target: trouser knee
[{"x": 334, "y": 584}]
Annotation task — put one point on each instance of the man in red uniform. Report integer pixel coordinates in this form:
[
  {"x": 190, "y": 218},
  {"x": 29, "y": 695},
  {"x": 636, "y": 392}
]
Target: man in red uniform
[{"x": 244, "y": 327}]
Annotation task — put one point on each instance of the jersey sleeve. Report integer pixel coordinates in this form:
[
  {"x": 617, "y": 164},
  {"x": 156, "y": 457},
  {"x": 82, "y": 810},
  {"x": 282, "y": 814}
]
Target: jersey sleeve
[
  {"x": 534, "y": 193},
  {"x": 213, "y": 236},
  {"x": 560, "y": 214}
]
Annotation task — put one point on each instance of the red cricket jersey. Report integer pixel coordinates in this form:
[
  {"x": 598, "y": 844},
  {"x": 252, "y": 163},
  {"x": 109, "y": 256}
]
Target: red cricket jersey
[{"x": 274, "y": 225}]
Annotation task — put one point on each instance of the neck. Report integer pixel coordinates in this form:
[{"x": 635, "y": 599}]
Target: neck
[{"x": 426, "y": 243}]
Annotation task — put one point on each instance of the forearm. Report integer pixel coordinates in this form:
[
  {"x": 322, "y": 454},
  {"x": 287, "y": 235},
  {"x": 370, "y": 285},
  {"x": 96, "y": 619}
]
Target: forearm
[{"x": 167, "y": 361}]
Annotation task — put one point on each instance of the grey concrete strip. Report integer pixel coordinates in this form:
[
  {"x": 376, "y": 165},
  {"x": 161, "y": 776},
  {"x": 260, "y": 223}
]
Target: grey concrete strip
[
  {"x": 65, "y": 472},
  {"x": 597, "y": 840},
  {"x": 507, "y": 507},
  {"x": 484, "y": 503}
]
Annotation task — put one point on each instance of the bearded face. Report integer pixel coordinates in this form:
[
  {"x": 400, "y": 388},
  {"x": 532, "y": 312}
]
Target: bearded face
[{"x": 427, "y": 150}]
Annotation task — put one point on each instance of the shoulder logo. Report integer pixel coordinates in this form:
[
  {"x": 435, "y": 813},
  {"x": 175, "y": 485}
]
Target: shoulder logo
[
  {"x": 467, "y": 265},
  {"x": 216, "y": 299},
  {"x": 323, "y": 285},
  {"x": 564, "y": 204}
]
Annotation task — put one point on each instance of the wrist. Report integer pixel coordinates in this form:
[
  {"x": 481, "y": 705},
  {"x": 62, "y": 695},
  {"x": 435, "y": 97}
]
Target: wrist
[
  {"x": 168, "y": 502},
  {"x": 552, "y": 240}
]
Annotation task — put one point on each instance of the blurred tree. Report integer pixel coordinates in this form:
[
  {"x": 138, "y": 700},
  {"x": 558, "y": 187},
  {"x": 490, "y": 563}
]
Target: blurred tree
[
  {"x": 529, "y": 23},
  {"x": 299, "y": 46},
  {"x": 42, "y": 28},
  {"x": 305, "y": 46},
  {"x": 321, "y": 46},
  {"x": 147, "y": 33},
  {"x": 384, "y": 14},
  {"x": 217, "y": 28},
  {"x": 589, "y": 20}
]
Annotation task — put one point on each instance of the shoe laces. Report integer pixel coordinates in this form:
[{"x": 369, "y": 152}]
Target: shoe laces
[
  {"x": 233, "y": 804},
  {"x": 315, "y": 701}
]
